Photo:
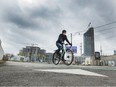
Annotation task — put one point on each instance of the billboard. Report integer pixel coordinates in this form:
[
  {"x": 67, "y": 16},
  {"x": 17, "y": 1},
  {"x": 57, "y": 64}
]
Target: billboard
[{"x": 73, "y": 48}]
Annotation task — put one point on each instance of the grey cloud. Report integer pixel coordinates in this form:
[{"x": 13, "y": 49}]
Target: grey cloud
[
  {"x": 35, "y": 18},
  {"x": 45, "y": 12},
  {"x": 48, "y": 17},
  {"x": 18, "y": 18},
  {"x": 21, "y": 21},
  {"x": 46, "y": 20},
  {"x": 103, "y": 8}
]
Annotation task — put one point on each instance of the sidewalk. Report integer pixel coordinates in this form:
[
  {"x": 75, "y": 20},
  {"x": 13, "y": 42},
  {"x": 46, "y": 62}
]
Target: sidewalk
[{"x": 62, "y": 66}]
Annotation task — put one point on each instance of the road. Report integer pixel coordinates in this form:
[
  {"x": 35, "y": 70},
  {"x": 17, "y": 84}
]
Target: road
[{"x": 36, "y": 74}]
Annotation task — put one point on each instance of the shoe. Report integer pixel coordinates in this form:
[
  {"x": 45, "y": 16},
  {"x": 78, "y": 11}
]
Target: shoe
[{"x": 61, "y": 62}]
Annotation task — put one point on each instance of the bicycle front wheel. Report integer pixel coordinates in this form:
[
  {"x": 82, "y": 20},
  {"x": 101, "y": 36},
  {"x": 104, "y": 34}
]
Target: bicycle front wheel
[
  {"x": 56, "y": 58},
  {"x": 68, "y": 57}
]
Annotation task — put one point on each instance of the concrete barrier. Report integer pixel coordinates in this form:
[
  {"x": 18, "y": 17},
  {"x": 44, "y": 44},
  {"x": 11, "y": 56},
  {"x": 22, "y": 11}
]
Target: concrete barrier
[{"x": 108, "y": 60}]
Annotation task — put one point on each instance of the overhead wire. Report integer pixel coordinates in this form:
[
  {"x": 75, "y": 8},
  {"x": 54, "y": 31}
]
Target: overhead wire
[{"x": 105, "y": 24}]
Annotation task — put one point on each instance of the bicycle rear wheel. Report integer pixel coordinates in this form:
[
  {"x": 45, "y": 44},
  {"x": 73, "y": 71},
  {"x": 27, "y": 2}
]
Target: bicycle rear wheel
[
  {"x": 68, "y": 57},
  {"x": 56, "y": 58}
]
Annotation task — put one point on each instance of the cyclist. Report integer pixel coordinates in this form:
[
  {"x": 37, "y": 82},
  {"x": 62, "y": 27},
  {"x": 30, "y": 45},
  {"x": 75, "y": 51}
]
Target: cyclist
[{"x": 59, "y": 43}]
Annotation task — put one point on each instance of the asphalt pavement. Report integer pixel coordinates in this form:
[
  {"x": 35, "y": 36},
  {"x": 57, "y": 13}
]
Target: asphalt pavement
[{"x": 43, "y": 74}]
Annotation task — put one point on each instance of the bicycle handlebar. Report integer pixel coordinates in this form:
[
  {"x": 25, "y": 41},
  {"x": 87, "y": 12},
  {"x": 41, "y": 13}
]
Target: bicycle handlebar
[{"x": 68, "y": 44}]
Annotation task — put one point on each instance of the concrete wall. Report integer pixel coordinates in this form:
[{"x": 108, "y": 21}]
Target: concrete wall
[
  {"x": 109, "y": 60},
  {"x": 1, "y": 51}
]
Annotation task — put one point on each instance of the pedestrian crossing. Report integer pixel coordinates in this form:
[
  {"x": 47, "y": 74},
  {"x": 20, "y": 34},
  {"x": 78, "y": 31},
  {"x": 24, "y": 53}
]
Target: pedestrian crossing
[{"x": 72, "y": 71}]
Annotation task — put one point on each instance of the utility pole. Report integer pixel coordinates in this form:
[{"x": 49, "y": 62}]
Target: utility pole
[
  {"x": 81, "y": 49},
  {"x": 81, "y": 52},
  {"x": 71, "y": 39},
  {"x": 101, "y": 49}
]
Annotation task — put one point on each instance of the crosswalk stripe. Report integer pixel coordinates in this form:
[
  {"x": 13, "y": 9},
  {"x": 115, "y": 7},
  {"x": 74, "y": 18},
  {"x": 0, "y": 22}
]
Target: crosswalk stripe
[{"x": 72, "y": 71}]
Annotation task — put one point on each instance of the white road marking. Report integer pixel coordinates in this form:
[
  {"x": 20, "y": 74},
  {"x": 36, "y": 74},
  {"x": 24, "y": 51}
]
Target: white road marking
[
  {"x": 72, "y": 71},
  {"x": 26, "y": 66}
]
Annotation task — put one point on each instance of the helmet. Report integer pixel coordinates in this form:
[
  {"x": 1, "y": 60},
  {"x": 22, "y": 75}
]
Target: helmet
[{"x": 64, "y": 31}]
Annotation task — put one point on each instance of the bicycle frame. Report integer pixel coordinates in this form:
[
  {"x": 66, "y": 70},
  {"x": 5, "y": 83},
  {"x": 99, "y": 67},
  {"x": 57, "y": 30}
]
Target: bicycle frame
[
  {"x": 63, "y": 50},
  {"x": 63, "y": 55}
]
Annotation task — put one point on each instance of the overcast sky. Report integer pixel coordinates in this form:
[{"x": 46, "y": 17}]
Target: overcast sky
[{"x": 23, "y": 22}]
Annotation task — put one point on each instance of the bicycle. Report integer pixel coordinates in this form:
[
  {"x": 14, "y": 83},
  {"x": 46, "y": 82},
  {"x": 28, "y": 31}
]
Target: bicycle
[{"x": 66, "y": 56}]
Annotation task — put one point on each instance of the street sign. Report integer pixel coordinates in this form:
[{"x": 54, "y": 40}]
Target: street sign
[{"x": 73, "y": 48}]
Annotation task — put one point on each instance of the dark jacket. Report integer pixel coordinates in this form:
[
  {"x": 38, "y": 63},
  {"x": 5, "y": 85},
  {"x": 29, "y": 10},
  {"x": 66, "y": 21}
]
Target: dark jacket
[{"x": 62, "y": 38}]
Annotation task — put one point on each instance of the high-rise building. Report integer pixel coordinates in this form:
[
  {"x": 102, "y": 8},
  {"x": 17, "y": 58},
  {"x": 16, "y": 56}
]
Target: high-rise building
[
  {"x": 1, "y": 51},
  {"x": 89, "y": 49}
]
